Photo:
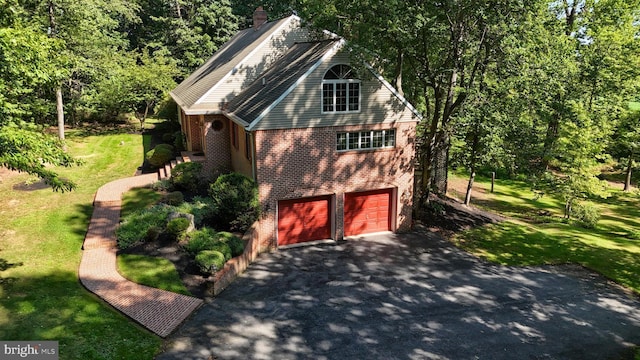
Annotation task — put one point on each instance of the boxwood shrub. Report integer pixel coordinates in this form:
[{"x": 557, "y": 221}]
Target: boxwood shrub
[
  {"x": 177, "y": 227},
  {"x": 160, "y": 155},
  {"x": 235, "y": 243},
  {"x": 187, "y": 176},
  {"x": 235, "y": 197},
  {"x": 202, "y": 209},
  {"x": 210, "y": 260}
]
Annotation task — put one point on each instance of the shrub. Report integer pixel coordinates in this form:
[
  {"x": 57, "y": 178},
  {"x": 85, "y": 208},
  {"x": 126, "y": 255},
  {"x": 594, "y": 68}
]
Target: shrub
[
  {"x": 210, "y": 260},
  {"x": 178, "y": 141},
  {"x": 168, "y": 138},
  {"x": 160, "y": 155},
  {"x": 200, "y": 240},
  {"x": 173, "y": 198},
  {"x": 587, "y": 214},
  {"x": 235, "y": 243},
  {"x": 201, "y": 208},
  {"x": 234, "y": 195},
  {"x": 142, "y": 225},
  {"x": 178, "y": 227},
  {"x": 187, "y": 176},
  {"x": 162, "y": 185}
]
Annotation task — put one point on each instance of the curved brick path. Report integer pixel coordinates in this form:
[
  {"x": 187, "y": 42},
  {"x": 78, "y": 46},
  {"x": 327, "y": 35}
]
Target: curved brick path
[{"x": 158, "y": 310}]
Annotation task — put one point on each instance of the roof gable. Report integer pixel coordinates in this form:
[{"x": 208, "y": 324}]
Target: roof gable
[
  {"x": 222, "y": 63},
  {"x": 267, "y": 91}
]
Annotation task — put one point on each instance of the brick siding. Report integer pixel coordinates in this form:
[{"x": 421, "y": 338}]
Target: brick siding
[
  {"x": 217, "y": 144},
  {"x": 294, "y": 163}
]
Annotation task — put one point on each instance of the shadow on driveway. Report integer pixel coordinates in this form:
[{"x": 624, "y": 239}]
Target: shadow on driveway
[{"x": 408, "y": 296}]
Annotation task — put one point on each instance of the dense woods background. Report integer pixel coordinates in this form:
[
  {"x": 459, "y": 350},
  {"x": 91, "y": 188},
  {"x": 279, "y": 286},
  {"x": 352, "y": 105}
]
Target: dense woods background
[{"x": 544, "y": 90}]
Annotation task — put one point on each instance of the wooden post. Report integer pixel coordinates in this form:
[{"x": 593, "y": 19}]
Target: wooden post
[{"x": 493, "y": 179}]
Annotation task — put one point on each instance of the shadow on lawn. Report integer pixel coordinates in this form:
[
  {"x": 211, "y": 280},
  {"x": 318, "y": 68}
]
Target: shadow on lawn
[{"x": 55, "y": 307}]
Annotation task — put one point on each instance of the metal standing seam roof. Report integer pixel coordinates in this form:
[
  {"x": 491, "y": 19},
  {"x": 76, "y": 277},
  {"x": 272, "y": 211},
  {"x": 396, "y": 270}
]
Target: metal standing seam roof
[
  {"x": 282, "y": 75},
  {"x": 189, "y": 91}
]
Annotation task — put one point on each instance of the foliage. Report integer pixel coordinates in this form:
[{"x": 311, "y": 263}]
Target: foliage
[
  {"x": 25, "y": 149},
  {"x": 202, "y": 209},
  {"x": 160, "y": 155},
  {"x": 41, "y": 234},
  {"x": 187, "y": 176},
  {"x": 607, "y": 248},
  {"x": 178, "y": 227},
  {"x": 173, "y": 198},
  {"x": 151, "y": 271},
  {"x": 210, "y": 260},
  {"x": 235, "y": 243},
  {"x": 162, "y": 185},
  {"x": 235, "y": 198},
  {"x": 200, "y": 240},
  {"x": 570, "y": 188},
  {"x": 587, "y": 214},
  {"x": 179, "y": 142},
  {"x": 139, "y": 225}
]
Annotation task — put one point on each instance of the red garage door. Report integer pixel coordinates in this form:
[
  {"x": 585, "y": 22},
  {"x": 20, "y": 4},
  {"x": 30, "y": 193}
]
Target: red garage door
[
  {"x": 301, "y": 220},
  {"x": 367, "y": 212}
]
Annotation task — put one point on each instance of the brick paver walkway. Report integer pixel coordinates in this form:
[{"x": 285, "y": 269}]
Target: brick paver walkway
[{"x": 158, "y": 310}]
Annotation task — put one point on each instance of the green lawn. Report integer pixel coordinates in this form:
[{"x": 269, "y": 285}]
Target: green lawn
[
  {"x": 151, "y": 271},
  {"x": 537, "y": 234},
  {"x": 41, "y": 234}
]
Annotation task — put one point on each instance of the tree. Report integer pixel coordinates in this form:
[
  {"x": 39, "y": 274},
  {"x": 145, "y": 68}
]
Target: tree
[
  {"x": 442, "y": 50},
  {"x": 27, "y": 149},
  {"x": 625, "y": 144}
]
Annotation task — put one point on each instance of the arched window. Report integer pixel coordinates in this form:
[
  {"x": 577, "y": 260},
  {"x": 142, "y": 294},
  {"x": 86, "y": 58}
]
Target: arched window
[{"x": 340, "y": 90}]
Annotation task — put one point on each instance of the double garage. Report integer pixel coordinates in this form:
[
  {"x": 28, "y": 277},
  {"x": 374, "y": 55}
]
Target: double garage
[{"x": 310, "y": 219}]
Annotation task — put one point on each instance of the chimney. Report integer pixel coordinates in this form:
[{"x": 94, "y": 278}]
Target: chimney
[{"x": 259, "y": 18}]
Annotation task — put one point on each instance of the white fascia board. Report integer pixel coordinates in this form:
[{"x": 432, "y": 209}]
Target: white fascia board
[
  {"x": 235, "y": 68},
  {"x": 201, "y": 112},
  {"x": 233, "y": 117},
  {"x": 393, "y": 90},
  {"x": 324, "y": 57}
]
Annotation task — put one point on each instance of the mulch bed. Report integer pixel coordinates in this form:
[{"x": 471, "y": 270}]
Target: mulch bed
[{"x": 448, "y": 216}]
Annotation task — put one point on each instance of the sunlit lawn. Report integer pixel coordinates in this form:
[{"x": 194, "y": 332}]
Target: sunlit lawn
[
  {"x": 537, "y": 234},
  {"x": 41, "y": 234}
]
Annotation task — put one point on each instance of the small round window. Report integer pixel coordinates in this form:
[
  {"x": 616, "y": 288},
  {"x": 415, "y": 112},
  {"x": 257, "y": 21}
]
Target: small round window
[{"x": 217, "y": 125}]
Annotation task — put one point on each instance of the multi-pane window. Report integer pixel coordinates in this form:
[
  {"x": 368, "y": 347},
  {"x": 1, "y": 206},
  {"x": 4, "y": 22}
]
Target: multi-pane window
[
  {"x": 365, "y": 140},
  {"x": 340, "y": 90}
]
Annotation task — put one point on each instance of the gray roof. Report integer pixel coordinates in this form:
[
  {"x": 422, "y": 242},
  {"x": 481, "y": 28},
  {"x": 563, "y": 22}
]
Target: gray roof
[
  {"x": 221, "y": 63},
  {"x": 279, "y": 78}
]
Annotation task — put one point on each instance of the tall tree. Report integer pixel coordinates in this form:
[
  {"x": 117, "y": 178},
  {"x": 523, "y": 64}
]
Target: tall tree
[{"x": 443, "y": 48}]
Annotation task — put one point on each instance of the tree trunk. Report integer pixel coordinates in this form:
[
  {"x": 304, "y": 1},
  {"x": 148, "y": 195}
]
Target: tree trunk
[
  {"x": 397, "y": 81},
  {"x": 467, "y": 197},
  {"x": 60, "y": 110},
  {"x": 627, "y": 182}
]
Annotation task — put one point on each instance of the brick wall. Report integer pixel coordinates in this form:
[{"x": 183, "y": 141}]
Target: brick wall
[
  {"x": 295, "y": 163},
  {"x": 217, "y": 143}
]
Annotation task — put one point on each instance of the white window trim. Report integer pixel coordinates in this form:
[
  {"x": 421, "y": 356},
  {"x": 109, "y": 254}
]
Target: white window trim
[
  {"x": 384, "y": 140},
  {"x": 341, "y": 81}
]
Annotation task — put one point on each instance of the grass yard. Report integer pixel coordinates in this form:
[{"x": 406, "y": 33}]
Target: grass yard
[
  {"x": 41, "y": 234},
  {"x": 151, "y": 271},
  {"x": 537, "y": 234}
]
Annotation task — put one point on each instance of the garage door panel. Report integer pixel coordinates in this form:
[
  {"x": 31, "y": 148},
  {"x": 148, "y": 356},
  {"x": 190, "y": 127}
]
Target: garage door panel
[
  {"x": 366, "y": 212},
  {"x": 302, "y": 220}
]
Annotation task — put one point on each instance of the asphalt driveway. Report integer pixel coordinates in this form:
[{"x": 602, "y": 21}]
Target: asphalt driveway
[{"x": 409, "y": 296}]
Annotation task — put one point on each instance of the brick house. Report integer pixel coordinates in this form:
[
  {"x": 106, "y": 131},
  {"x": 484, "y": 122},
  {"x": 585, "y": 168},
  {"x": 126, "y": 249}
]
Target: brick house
[{"x": 330, "y": 146}]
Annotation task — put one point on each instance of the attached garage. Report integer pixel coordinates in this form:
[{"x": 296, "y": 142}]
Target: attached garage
[
  {"x": 367, "y": 212},
  {"x": 305, "y": 219}
]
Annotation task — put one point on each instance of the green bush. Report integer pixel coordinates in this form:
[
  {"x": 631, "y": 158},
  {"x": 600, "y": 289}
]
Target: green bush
[
  {"x": 168, "y": 138},
  {"x": 235, "y": 195},
  {"x": 160, "y": 155},
  {"x": 174, "y": 198},
  {"x": 201, "y": 208},
  {"x": 586, "y": 214},
  {"x": 142, "y": 225},
  {"x": 178, "y": 227},
  {"x": 209, "y": 239},
  {"x": 187, "y": 176},
  {"x": 200, "y": 240},
  {"x": 210, "y": 260},
  {"x": 162, "y": 185},
  {"x": 179, "y": 141},
  {"x": 235, "y": 243}
]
